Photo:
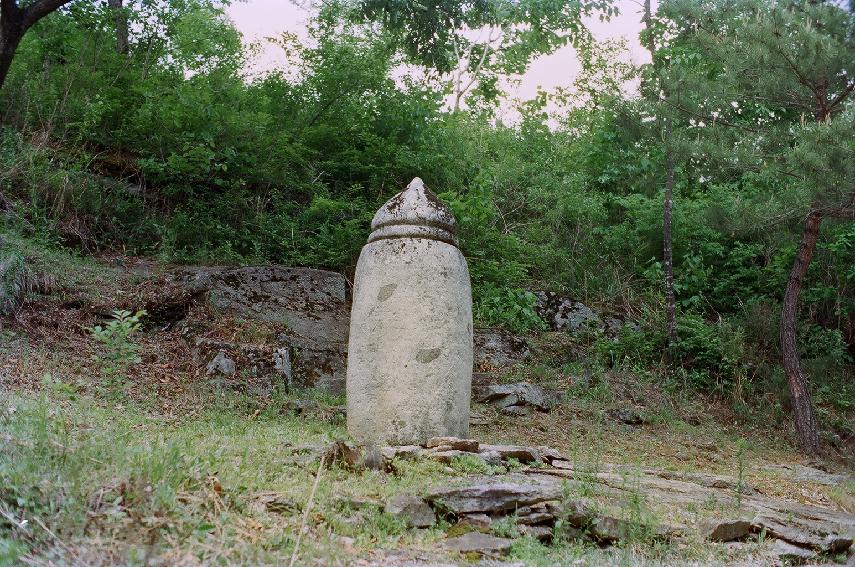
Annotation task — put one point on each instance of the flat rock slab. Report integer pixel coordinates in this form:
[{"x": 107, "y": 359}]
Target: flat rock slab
[
  {"x": 791, "y": 554},
  {"x": 476, "y": 542},
  {"x": 414, "y": 511},
  {"x": 727, "y": 530},
  {"x": 810, "y": 474},
  {"x": 495, "y": 494},
  {"x": 812, "y": 527},
  {"x": 521, "y": 394},
  {"x": 452, "y": 443},
  {"x": 519, "y": 452},
  {"x": 312, "y": 303}
]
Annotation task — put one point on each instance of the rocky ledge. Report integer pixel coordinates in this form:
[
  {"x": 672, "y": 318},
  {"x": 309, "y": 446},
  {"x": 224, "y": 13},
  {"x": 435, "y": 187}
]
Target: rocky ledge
[{"x": 543, "y": 494}]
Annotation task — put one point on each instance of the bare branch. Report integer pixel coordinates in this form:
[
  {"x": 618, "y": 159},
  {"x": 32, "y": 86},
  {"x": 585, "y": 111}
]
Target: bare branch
[
  {"x": 845, "y": 210},
  {"x": 34, "y": 12}
]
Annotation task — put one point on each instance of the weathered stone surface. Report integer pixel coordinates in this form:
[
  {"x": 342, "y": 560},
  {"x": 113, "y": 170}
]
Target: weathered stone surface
[
  {"x": 726, "y": 530},
  {"x": 533, "y": 515},
  {"x": 310, "y": 304},
  {"x": 402, "y": 452},
  {"x": 412, "y": 510},
  {"x": 489, "y": 495},
  {"x": 496, "y": 349},
  {"x": 820, "y": 529},
  {"x": 519, "y": 394},
  {"x": 542, "y": 533},
  {"x": 452, "y": 443},
  {"x": 221, "y": 364},
  {"x": 491, "y": 457},
  {"x": 478, "y": 522},
  {"x": 519, "y": 452},
  {"x": 811, "y": 474},
  {"x": 629, "y": 416},
  {"x": 548, "y": 454},
  {"x": 791, "y": 554},
  {"x": 480, "y": 382},
  {"x": 410, "y": 353},
  {"x": 477, "y": 542},
  {"x": 806, "y": 526},
  {"x": 565, "y": 314}
]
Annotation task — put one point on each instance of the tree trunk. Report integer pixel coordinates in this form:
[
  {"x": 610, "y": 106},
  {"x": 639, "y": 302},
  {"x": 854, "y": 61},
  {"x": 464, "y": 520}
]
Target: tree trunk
[
  {"x": 10, "y": 37},
  {"x": 668, "y": 202},
  {"x": 668, "y": 246},
  {"x": 14, "y": 23},
  {"x": 803, "y": 414},
  {"x": 121, "y": 20}
]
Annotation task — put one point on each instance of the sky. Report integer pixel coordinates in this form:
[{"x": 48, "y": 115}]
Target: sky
[{"x": 258, "y": 19}]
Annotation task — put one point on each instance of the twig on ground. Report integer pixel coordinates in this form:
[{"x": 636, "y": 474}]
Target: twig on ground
[{"x": 306, "y": 511}]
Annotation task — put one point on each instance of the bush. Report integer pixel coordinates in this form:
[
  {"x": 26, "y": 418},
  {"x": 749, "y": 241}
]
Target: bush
[{"x": 511, "y": 308}]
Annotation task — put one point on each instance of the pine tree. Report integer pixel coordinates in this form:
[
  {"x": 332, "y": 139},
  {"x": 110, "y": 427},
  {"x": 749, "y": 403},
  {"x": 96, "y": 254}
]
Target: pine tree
[{"x": 768, "y": 86}]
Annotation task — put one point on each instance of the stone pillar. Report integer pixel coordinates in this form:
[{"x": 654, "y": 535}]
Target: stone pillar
[{"x": 409, "y": 364}]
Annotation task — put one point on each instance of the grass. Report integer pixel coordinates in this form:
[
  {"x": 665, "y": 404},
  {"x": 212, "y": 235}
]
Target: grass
[
  {"x": 90, "y": 482},
  {"x": 75, "y": 476}
]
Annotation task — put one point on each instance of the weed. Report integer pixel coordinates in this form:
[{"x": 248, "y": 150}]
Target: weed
[
  {"x": 471, "y": 464},
  {"x": 118, "y": 350},
  {"x": 505, "y": 527},
  {"x": 741, "y": 446},
  {"x": 641, "y": 523}
]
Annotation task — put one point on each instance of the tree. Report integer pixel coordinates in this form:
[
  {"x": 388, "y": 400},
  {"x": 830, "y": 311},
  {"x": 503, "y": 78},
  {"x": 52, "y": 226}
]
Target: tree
[
  {"x": 472, "y": 43},
  {"x": 769, "y": 84},
  {"x": 655, "y": 92},
  {"x": 121, "y": 20},
  {"x": 15, "y": 20}
]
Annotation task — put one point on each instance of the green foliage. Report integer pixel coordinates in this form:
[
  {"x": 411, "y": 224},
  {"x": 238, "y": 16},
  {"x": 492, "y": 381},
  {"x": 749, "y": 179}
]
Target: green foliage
[
  {"x": 508, "y": 307},
  {"x": 118, "y": 351}
]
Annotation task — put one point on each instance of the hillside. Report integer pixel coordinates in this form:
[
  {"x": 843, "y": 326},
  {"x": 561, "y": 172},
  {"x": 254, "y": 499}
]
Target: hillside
[{"x": 174, "y": 463}]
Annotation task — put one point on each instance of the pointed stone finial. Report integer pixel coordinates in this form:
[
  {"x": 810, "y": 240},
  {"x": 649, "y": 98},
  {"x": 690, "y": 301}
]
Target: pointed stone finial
[{"x": 414, "y": 213}]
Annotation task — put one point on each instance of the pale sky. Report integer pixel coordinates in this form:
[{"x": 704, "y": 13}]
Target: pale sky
[{"x": 258, "y": 19}]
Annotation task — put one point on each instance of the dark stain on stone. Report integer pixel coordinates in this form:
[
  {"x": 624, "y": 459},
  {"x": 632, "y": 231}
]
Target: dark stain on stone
[
  {"x": 426, "y": 355},
  {"x": 386, "y": 292}
]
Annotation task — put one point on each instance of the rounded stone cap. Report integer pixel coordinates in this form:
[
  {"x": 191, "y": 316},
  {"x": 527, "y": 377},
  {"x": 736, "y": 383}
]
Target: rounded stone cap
[{"x": 414, "y": 213}]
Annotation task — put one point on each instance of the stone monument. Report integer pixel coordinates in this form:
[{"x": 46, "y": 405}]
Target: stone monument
[{"x": 409, "y": 364}]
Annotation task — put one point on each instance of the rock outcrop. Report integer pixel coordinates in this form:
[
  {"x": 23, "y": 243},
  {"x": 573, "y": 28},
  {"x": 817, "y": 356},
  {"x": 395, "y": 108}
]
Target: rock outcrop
[
  {"x": 309, "y": 305},
  {"x": 553, "y": 497},
  {"x": 312, "y": 308},
  {"x": 517, "y": 399},
  {"x": 563, "y": 313},
  {"x": 497, "y": 349}
]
